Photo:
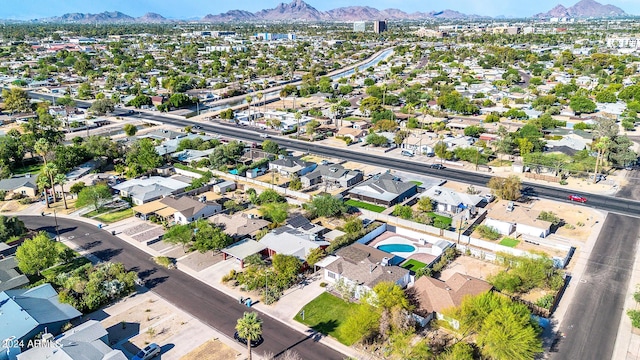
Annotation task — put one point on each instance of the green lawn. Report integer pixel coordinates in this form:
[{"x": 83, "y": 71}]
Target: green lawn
[
  {"x": 364, "y": 205},
  {"x": 93, "y": 213},
  {"x": 413, "y": 265},
  {"x": 445, "y": 219},
  {"x": 112, "y": 217},
  {"x": 418, "y": 183},
  {"x": 32, "y": 169},
  {"x": 509, "y": 242},
  {"x": 325, "y": 314}
]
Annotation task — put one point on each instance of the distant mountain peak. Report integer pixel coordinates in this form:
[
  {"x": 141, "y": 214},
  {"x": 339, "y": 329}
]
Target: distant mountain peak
[{"x": 584, "y": 9}]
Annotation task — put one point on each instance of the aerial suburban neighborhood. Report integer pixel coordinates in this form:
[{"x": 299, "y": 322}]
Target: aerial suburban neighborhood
[{"x": 318, "y": 182}]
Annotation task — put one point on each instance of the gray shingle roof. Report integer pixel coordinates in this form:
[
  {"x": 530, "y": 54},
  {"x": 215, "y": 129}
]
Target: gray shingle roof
[{"x": 17, "y": 182}]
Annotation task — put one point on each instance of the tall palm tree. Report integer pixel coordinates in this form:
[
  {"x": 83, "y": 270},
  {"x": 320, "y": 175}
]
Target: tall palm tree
[
  {"x": 43, "y": 184},
  {"x": 50, "y": 170},
  {"x": 249, "y": 327},
  {"x": 298, "y": 116},
  {"x": 249, "y": 99},
  {"x": 61, "y": 179},
  {"x": 602, "y": 145},
  {"x": 259, "y": 95}
]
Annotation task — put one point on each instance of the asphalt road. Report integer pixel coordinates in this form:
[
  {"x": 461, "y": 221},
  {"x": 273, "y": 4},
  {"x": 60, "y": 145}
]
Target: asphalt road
[
  {"x": 608, "y": 203},
  {"x": 591, "y": 322},
  {"x": 200, "y": 300}
]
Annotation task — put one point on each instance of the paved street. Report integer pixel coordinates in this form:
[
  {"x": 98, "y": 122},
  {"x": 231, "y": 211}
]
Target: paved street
[
  {"x": 198, "y": 299},
  {"x": 591, "y": 322}
]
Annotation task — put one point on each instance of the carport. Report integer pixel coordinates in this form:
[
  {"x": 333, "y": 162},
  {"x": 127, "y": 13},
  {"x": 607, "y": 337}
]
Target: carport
[{"x": 243, "y": 249}]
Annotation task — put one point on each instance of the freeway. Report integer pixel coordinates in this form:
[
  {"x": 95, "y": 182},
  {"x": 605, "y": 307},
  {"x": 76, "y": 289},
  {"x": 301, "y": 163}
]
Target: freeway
[
  {"x": 603, "y": 202},
  {"x": 197, "y": 298}
]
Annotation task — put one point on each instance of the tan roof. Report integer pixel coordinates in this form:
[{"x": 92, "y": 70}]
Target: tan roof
[
  {"x": 351, "y": 131},
  {"x": 520, "y": 215},
  {"x": 238, "y": 224},
  {"x": 166, "y": 212},
  {"x": 437, "y": 295},
  {"x": 150, "y": 207},
  {"x": 357, "y": 252},
  {"x": 186, "y": 205}
]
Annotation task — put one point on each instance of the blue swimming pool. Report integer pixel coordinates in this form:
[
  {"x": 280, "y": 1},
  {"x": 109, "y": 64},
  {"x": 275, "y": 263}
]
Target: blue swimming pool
[{"x": 392, "y": 248}]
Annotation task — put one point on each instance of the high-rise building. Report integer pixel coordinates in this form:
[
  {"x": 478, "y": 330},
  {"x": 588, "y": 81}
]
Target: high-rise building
[
  {"x": 379, "y": 26},
  {"x": 360, "y": 26}
]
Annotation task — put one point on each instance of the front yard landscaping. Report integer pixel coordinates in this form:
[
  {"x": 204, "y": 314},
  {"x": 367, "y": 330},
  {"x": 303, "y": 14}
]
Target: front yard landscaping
[
  {"x": 509, "y": 242},
  {"x": 364, "y": 205},
  {"x": 326, "y": 314},
  {"x": 115, "y": 216}
]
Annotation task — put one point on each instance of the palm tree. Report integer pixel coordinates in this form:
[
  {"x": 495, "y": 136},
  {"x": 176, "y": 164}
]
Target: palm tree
[
  {"x": 424, "y": 110},
  {"x": 602, "y": 146},
  {"x": 50, "y": 170},
  {"x": 43, "y": 184},
  {"x": 298, "y": 116},
  {"x": 260, "y": 95},
  {"x": 249, "y": 327},
  {"x": 61, "y": 179},
  {"x": 249, "y": 99}
]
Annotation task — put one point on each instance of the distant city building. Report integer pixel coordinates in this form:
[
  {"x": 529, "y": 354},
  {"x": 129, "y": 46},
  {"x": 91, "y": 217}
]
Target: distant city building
[
  {"x": 625, "y": 42},
  {"x": 379, "y": 26},
  {"x": 270, "y": 36},
  {"x": 360, "y": 26}
]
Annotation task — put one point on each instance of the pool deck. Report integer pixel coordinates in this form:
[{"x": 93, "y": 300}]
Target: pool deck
[{"x": 426, "y": 258}]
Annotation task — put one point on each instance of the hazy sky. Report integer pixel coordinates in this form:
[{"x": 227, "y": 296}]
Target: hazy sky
[{"x": 29, "y": 9}]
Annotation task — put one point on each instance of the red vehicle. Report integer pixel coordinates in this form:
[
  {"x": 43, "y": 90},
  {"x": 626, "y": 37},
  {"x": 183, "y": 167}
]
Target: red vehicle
[{"x": 578, "y": 198}]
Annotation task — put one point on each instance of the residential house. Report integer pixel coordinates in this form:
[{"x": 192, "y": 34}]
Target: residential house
[
  {"x": 332, "y": 174},
  {"x": 362, "y": 267},
  {"x": 384, "y": 189},
  {"x": 449, "y": 201},
  {"x": 189, "y": 155},
  {"x": 24, "y": 313},
  {"x": 224, "y": 186},
  {"x": 163, "y": 134},
  {"x": 356, "y": 135},
  {"x": 25, "y": 185},
  {"x": 435, "y": 296},
  {"x": 147, "y": 189},
  {"x": 287, "y": 240},
  {"x": 170, "y": 146},
  {"x": 290, "y": 165},
  {"x": 87, "y": 341},
  {"x": 239, "y": 225},
  {"x": 10, "y": 278},
  {"x": 187, "y": 209},
  {"x": 506, "y": 217}
]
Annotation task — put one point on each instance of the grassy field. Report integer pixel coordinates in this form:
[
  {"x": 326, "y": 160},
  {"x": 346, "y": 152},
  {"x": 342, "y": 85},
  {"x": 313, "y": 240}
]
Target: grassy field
[
  {"x": 325, "y": 314},
  {"x": 32, "y": 169},
  {"x": 413, "y": 265},
  {"x": 112, "y": 217},
  {"x": 364, "y": 205},
  {"x": 509, "y": 242},
  {"x": 446, "y": 220}
]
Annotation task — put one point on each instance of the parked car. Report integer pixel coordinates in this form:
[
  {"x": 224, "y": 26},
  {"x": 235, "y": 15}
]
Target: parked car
[
  {"x": 436, "y": 166},
  {"x": 264, "y": 136},
  {"x": 254, "y": 343},
  {"x": 489, "y": 197},
  {"x": 152, "y": 350},
  {"x": 578, "y": 198},
  {"x": 406, "y": 153}
]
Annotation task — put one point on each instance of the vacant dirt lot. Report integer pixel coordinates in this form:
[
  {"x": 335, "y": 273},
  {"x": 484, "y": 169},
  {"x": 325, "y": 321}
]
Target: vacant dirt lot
[
  {"x": 468, "y": 265},
  {"x": 212, "y": 350}
]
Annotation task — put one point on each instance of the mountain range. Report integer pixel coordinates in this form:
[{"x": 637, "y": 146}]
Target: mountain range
[{"x": 298, "y": 10}]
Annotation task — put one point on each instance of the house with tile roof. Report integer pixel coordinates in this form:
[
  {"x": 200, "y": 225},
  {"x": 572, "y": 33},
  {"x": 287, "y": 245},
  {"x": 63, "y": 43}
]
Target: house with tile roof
[
  {"x": 147, "y": 189},
  {"x": 362, "y": 267},
  {"x": 187, "y": 209},
  {"x": 87, "y": 341},
  {"x": 384, "y": 189},
  {"x": 239, "y": 225},
  {"x": 507, "y": 217},
  {"x": 435, "y": 296},
  {"x": 24, "y": 313},
  {"x": 332, "y": 174},
  {"x": 288, "y": 240}
]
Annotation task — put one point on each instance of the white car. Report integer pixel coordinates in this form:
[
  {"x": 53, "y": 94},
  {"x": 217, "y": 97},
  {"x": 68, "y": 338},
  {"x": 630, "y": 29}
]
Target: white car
[
  {"x": 152, "y": 350},
  {"x": 264, "y": 136}
]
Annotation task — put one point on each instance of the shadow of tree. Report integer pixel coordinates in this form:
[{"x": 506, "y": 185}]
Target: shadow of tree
[{"x": 107, "y": 254}]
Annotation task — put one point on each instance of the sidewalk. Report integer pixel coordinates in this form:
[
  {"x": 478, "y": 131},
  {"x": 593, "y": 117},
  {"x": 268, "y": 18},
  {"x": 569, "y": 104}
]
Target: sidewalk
[
  {"x": 627, "y": 346},
  {"x": 284, "y": 310}
]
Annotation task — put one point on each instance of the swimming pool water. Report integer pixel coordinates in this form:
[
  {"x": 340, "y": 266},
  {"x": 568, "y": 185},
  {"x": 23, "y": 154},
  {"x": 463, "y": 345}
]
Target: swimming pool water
[{"x": 397, "y": 248}]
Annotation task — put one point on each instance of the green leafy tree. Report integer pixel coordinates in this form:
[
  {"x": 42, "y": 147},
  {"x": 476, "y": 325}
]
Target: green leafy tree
[
  {"x": 508, "y": 334},
  {"x": 249, "y": 327},
  {"x": 275, "y": 212},
  {"x": 77, "y": 187},
  {"x": 295, "y": 183},
  {"x": 102, "y": 106},
  {"x": 403, "y": 211},
  {"x": 315, "y": 255},
  {"x": 210, "y": 237},
  {"x": 459, "y": 351},
  {"x": 473, "y": 131},
  {"x": 606, "y": 96},
  {"x": 325, "y": 206},
  {"x": 179, "y": 234},
  {"x": 402, "y": 346},
  {"x": 360, "y": 324},
  {"x": 506, "y": 188},
  {"x": 271, "y": 147},
  {"x": 140, "y": 101},
  {"x": 353, "y": 225},
  {"x": 270, "y": 196},
  {"x": 96, "y": 196},
  {"x": 16, "y": 100},
  {"x": 11, "y": 227},
  {"x": 442, "y": 151},
  {"x": 130, "y": 129},
  {"x": 376, "y": 140},
  {"x": 37, "y": 254},
  {"x": 143, "y": 157},
  {"x": 425, "y": 204},
  {"x": 582, "y": 105},
  {"x": 390, "y": 295}
]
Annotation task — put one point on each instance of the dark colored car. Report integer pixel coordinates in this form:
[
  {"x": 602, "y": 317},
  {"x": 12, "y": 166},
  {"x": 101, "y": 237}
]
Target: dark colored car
[
  {"x": 436, "y": 166},
  {"x": 254, "y": 343},
  {"x": 578, "y": 198}
]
